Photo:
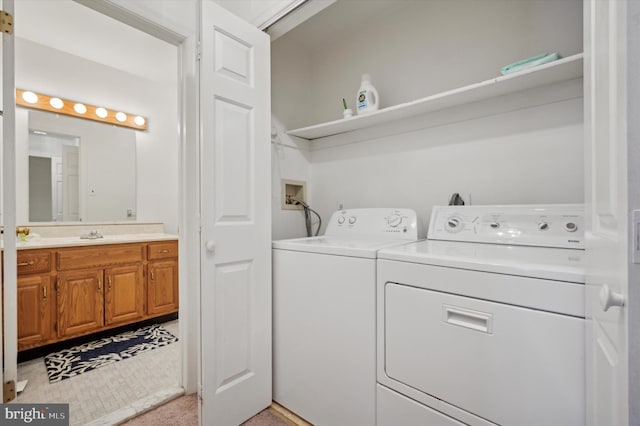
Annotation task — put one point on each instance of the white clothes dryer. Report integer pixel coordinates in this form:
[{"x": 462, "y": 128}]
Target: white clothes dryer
[
  {"x": 324, "y": 315},
  {"x": 483, "y": 323}
]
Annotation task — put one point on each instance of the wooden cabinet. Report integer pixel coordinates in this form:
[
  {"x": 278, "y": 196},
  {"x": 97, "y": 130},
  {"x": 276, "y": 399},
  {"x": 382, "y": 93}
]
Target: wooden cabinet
[
  {"x": 100, "y": 286},
  {"x": 124, "y": 294},
  {"x": 34, "y": 310},
  {"x": 73, "y": 291},
  {"x": 99, "y": 256},
  {"x": 162, "y": 278},
  {"x": 165, "y": 250},
  {"x": 162, "y": 287},
  {"x": 34, "y": 261},
  {"x": 80, "y": 302},
  {"x": 36, "y": 298}
]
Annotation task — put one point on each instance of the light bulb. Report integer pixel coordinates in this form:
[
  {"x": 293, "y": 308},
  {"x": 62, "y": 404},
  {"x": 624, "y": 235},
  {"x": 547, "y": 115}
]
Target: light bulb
[
  {"x": 121, "y": 117},
  {"x": 30, "y": 97},
  {"x": 101, "y": 112},
  {"x": 56, "y": 103},
  {"x": 80, "y": 108},
  {"x": 139, "y": 121}
]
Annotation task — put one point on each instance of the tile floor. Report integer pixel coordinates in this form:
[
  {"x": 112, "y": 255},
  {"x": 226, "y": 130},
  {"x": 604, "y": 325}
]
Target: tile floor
[{"x": 102, "y": 391}]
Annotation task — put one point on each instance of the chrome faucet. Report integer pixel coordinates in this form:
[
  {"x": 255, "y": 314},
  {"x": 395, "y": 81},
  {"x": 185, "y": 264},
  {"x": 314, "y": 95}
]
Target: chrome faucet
[{"x": 92, "y": 235}]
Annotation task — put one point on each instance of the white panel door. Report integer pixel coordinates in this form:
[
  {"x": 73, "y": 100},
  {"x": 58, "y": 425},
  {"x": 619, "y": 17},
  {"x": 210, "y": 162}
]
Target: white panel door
[
  {"x": 606, "y": 212},
  {"x": 70, "y": 183},
  {"x": 9, "y": 357},
  {"x": 56, "y": 189},
  {"x": 236, "y": 221}
]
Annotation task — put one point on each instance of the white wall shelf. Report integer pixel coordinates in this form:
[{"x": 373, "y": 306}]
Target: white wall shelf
[{"x": 554, "y": 72}]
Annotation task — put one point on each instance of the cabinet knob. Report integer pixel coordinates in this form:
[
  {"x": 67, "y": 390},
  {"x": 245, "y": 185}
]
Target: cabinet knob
[{"x": 44, "y": 293}]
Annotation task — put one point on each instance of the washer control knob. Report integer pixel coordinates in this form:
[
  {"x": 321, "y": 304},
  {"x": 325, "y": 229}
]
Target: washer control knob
[
  {"x": 543, "y": 226},
  {"x": 495, "y": 225},
  {"x": 394, "y": 220},
  {"x": 352, "y": 220},
  {"x": 341, "y": 220},
  {"x": 453, "y": 224},
  {"x": 570, "y": 227}
]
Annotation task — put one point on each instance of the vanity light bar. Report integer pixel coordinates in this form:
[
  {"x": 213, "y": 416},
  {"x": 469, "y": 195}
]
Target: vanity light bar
[{"x": 57, "y": 105}]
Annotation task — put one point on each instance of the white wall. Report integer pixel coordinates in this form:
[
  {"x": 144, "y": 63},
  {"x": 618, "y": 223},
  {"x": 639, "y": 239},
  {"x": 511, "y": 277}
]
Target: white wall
[
  {"x": 529, "y": 156},
  {"x": 289, "y": 160},
  {"x": 75, "y": 78},
  {"x": 290, "y": 156},
  {"x": 427, "y": 47},
  {"x": 523, "y": 148}
]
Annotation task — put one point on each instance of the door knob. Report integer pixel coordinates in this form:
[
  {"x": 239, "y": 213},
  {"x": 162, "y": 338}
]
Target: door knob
[
  {"x": 211, "y": 246},
  {"x": 609, "y": 298}
]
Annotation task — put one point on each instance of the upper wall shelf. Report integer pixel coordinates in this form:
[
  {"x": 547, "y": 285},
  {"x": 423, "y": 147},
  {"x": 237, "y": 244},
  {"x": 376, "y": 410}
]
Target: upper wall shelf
[{"x": 554, "y": 72}]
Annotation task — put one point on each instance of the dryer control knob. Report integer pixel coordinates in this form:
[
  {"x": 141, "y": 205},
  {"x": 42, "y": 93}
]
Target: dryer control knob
[
  {"x": 394, "y": 220},
  {"x": 543, "y": 226},
  {"x": 570, "y": 227},
  {"x": 341, "y": 220},
  {"x": 352, "y": 220},
  {"x": 453, "y": 224},
  {"x": 495, "y": 225}
]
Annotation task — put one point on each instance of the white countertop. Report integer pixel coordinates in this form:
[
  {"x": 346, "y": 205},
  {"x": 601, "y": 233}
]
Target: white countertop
[{"x": 55, "y": 242}]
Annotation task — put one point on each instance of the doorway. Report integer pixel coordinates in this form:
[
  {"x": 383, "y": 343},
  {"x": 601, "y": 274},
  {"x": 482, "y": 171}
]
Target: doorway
[{"x": 116, "y": 77}]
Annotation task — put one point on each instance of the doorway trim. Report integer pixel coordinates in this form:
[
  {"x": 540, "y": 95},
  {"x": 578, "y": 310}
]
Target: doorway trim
[{"x": 188, "y": 178}]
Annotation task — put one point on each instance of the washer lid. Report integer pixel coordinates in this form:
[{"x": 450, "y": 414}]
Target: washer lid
[
  {"x": 366, "y": 247},
  {"x": 538, "y": 262}
]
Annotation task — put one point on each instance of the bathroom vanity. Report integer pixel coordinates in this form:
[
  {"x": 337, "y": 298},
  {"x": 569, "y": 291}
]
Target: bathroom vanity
[{"x": 69, "y": 287}]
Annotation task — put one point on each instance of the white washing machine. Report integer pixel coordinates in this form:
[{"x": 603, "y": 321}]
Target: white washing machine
[
  {"x": 483, "y": 323},
  {"x": 324, "y": 315}
]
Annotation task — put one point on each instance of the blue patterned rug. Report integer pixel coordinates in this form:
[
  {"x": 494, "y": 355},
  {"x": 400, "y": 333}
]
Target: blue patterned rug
[{"x": 80, "y": 359}]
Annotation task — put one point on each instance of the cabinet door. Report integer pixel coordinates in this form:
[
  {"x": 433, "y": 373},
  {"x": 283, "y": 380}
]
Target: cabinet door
[
  {"x": 124, "y": 294},
  {"x": 80, "y": 302},
  {"x": 163, "y": 287},
  {"x": 34, "y": 310}
]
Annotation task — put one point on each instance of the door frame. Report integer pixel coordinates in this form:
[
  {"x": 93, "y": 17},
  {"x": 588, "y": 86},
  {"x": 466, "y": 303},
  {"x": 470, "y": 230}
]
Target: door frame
[
  {"x": 633, "y": 159},
  {"x": 188, "y": 180},
  {"x": 188, "y": 198},
  {"x": 8, "y": 182}
]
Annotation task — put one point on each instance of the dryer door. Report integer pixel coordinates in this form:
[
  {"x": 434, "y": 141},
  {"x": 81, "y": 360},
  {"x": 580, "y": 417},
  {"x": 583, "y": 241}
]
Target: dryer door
[{"x": 509, "y": 365}]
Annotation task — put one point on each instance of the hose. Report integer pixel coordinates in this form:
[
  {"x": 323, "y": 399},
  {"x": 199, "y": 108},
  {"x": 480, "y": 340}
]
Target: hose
[{"x": 307, "y": 217}]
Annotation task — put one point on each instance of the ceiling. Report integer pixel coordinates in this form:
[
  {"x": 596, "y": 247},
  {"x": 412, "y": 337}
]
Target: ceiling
[
  {"x": 342, "y": 19},
  {"x": 78, "y": 30}
]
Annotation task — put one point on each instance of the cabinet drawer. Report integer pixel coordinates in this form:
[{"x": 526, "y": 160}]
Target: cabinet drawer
[
  {"x": 167, "y": 250},
  {"x": 33, "y": 261},
  {"x": 99, "y": 256}
]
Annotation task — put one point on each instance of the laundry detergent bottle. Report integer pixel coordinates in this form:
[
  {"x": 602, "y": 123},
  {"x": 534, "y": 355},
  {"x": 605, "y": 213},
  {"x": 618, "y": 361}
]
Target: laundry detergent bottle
[{"x": 368, "y": 100}]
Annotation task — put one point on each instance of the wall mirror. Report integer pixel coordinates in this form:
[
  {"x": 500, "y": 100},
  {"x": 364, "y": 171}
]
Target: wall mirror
[{"x": 77, "y": 170}]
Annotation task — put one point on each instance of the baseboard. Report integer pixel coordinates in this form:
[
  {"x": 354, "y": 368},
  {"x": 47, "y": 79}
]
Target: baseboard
[{"x": 287, "y": 415}]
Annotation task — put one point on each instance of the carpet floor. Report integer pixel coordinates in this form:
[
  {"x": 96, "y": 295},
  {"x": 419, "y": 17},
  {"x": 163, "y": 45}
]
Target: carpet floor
[{"x": 183, "y": 411}]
